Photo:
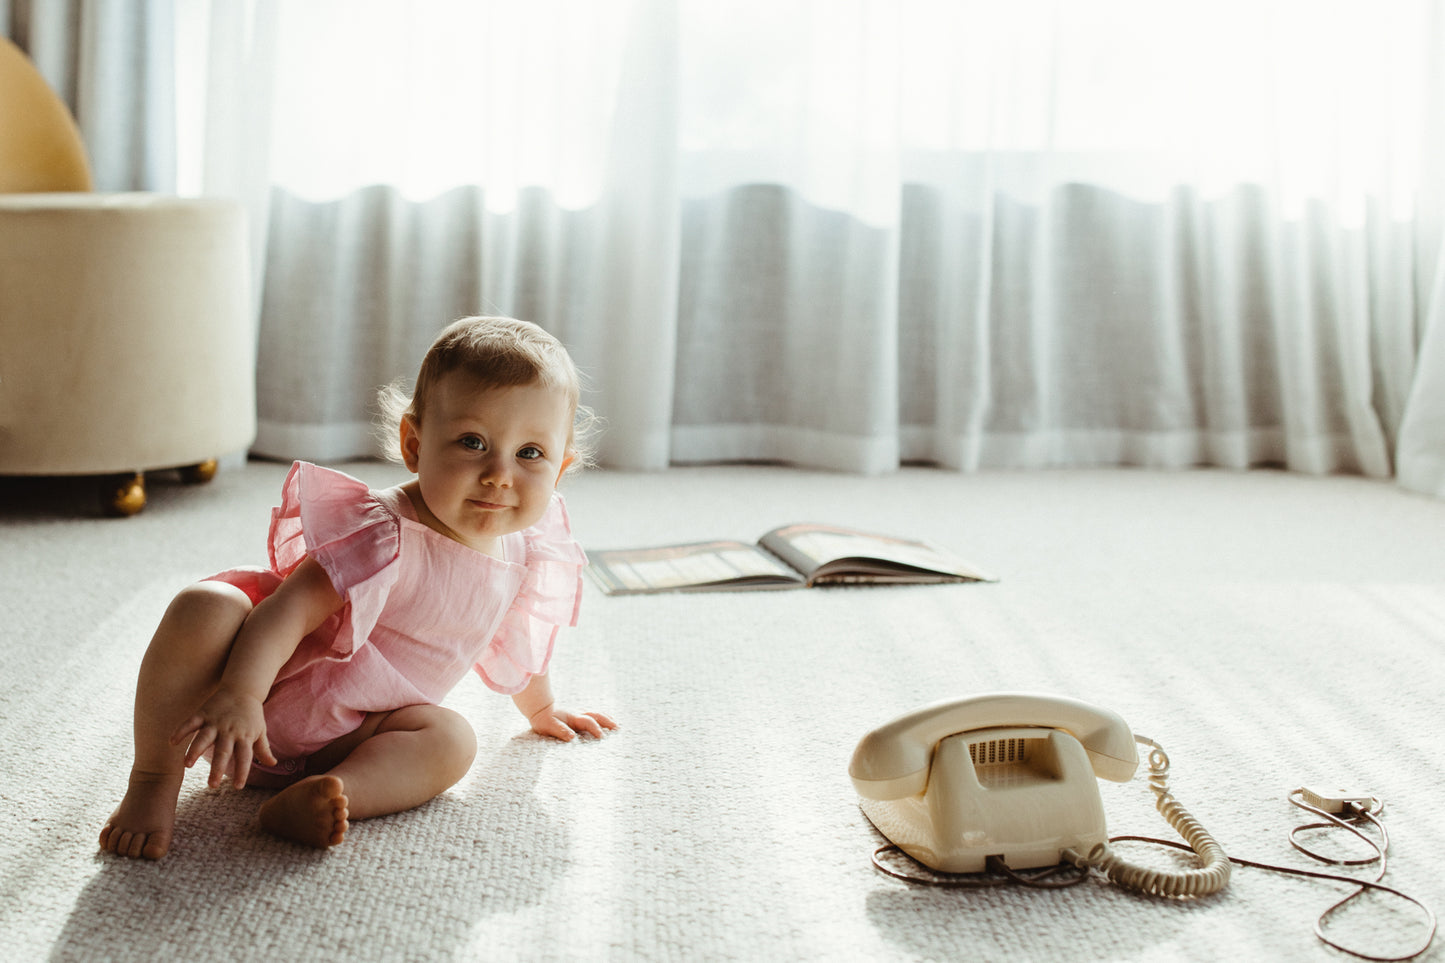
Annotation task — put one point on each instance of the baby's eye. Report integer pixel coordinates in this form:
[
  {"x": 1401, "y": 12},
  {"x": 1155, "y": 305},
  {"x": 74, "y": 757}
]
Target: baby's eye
[
  {"x": 472, "y": 443},
  {"x": 530, "y": 453}
]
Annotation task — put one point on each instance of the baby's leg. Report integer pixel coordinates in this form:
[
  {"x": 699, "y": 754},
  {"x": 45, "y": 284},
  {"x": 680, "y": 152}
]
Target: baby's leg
[
  {"x": 394, "y": 762},
  {"x": 180, "y": 670}
]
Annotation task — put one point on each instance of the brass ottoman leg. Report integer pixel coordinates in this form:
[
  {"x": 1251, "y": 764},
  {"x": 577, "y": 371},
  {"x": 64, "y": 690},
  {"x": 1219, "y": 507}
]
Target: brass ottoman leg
[
  {"x": 197, "y": 474},
  {"x": 124, "y": 495}
]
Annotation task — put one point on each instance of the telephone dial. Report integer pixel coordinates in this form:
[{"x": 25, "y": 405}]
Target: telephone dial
[{"x": 1011, "y": 776}]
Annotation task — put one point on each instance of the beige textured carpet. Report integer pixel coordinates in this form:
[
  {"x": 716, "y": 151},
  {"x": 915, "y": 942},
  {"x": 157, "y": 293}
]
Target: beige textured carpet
[{"x": 1269, "y": 629}]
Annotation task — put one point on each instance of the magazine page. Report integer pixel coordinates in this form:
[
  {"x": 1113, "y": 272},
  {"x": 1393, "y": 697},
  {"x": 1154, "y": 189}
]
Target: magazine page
[
  {"x": 720, "y": 564},
  {"x": 828, "y": 550}
]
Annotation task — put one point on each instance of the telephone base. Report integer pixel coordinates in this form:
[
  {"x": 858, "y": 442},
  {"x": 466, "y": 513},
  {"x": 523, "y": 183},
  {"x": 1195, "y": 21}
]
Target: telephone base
[{"x": 1026, "y": 803}]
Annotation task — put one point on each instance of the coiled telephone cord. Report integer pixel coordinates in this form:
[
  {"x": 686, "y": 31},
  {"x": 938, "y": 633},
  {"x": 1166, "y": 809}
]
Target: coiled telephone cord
[{"x": 1210, "y": 877}]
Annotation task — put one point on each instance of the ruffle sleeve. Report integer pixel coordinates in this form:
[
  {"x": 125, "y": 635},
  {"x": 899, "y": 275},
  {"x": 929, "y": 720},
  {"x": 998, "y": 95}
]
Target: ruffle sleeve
[
  {"x": 339, "y": 522},
  {"x": 549, "y": 599}
]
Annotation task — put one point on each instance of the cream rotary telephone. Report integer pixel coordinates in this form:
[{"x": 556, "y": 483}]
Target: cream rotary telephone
[{"x": 1013, "y": 775}]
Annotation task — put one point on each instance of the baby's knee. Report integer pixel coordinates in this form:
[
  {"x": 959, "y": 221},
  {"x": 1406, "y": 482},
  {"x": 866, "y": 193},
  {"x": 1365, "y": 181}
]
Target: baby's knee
[
  {"x": 446, "y": 737},
  {"x": 459, "y": 737},
  {"x": 201, "y": 622},
  {"x": 450, "y": 741},
  {"x": 210, "y": 602}
]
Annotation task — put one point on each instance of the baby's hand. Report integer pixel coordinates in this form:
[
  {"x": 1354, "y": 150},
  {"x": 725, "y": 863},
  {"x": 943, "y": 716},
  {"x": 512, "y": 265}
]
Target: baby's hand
[
  {"x": 563, "y": 724},
  {"x": 233, "y": 726}
]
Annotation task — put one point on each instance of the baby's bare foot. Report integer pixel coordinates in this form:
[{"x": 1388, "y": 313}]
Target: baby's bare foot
[
  {"x": 311, "y": 812},
  {"x": 141, "y": 826}
]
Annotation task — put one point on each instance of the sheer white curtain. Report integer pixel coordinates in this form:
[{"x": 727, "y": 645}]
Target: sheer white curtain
[{"x": 847, "y": 233}]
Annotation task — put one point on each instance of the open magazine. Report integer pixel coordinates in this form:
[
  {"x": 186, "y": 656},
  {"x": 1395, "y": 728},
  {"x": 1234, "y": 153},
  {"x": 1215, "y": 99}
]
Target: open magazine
[{"x": 793, "y": 556}]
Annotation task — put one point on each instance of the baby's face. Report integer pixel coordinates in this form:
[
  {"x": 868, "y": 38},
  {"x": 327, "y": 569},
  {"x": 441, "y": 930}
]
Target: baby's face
[{"x": 488, "y": 459}]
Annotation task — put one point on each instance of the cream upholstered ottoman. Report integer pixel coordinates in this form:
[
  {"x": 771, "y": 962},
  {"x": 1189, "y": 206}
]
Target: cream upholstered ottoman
[{"x": 126, "y": 337}]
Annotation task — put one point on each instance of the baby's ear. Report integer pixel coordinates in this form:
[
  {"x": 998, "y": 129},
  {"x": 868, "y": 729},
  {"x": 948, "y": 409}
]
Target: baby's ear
[{"x": 410, "y": 442}]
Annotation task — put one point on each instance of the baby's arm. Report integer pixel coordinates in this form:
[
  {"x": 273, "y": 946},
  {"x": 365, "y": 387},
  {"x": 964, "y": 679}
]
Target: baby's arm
[
  {"x": 536, "y": 703},
  {"x": 231, "y": 722}
]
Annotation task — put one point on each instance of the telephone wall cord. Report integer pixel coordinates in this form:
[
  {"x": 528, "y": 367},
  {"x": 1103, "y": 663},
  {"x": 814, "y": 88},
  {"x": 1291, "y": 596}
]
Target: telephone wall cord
[{"x": 1356, "y": 813}]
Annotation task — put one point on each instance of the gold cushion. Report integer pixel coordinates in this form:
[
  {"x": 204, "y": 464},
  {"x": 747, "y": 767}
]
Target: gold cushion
[{"x": 40, "y": 146}]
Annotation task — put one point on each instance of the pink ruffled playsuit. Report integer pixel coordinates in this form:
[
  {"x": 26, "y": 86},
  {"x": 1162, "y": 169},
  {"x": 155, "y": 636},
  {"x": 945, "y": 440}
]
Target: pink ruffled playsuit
[{"x": 420, "y": 608}]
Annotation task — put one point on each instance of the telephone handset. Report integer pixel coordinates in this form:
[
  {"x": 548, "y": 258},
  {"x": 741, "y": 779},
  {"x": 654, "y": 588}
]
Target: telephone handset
[{"x": 1012, "y": 775}]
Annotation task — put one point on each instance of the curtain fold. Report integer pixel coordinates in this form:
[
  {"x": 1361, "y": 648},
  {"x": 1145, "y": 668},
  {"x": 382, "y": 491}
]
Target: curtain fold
[
  {"x": 837, "y": 234},
  {"x": 1421, "y": 449}
]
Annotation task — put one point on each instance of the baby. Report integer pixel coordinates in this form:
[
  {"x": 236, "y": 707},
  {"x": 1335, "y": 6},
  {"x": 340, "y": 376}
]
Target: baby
[{"x": 321, "y": 674}]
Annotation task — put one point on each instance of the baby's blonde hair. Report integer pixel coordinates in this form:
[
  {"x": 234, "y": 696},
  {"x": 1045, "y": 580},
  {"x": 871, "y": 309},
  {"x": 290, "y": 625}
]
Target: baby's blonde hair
[{"x": 498, "y": 353}]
